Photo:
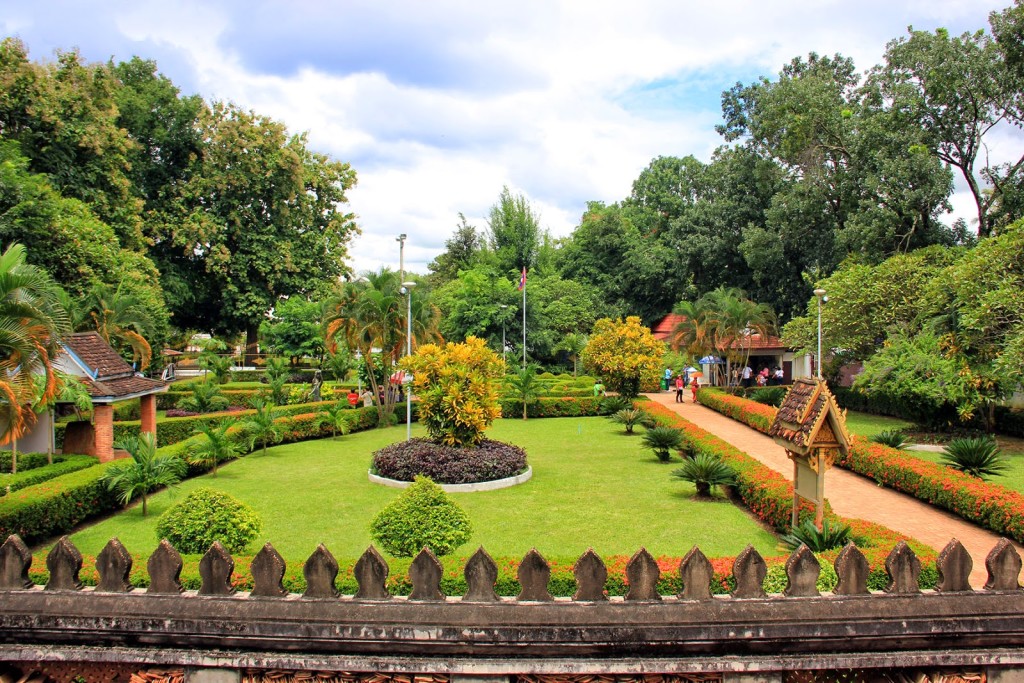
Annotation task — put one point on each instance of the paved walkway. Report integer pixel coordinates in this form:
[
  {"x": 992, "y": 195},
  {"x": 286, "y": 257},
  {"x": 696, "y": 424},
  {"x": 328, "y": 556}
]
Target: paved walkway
[{"x": 852, "y": 495}]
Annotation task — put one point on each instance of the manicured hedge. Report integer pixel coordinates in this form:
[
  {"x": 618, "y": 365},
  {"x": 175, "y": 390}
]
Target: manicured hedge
[
  {"x": 55, "y": 507},
  {"x": 570, "y": 406},
  {"x": 62, "y": 464},
  {"x": 992, "y": 506},
  {"x": 26, "y": 461}
]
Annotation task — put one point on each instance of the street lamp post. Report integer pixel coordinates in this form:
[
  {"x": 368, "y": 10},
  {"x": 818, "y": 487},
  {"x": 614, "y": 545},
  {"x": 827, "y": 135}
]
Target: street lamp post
[
  {"x": 820, "y": 293},
  {"x": 503, "y": 307},
  {"x": 401, "y": 256},
  {"x": 407, "y": 290}
]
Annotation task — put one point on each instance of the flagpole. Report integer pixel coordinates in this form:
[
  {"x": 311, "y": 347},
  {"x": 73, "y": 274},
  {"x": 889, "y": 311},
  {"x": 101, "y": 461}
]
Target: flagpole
[{"x": 524, "y": 317}]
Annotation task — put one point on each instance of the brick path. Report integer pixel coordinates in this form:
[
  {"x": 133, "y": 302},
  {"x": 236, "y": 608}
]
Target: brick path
[{"x": 852, "y": 495}]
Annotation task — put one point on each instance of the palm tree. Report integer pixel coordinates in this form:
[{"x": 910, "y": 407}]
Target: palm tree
[
  {"x": 260, "y": 427},
  {"x": 573, "y": 344},
  {"x": 32, "y": 322},
  {"x": 206, "y": 398},
  {"x": 706, "y": 472},
  {"x": 147, "y": 471},
  {"x": 525, "y": 384},
  {"x": 121, "y": 319},
  {"x": 370, "y": 314},
  {"x": 335, "y": 415},
  {"x": 218, "y": 446}
]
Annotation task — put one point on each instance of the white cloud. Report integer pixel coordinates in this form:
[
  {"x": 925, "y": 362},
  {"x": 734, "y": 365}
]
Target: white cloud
[{"x": 438, "y": 105}]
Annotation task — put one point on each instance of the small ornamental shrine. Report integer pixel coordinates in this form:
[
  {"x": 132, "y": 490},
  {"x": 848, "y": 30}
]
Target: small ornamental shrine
[{"x": 812, "y": 429}]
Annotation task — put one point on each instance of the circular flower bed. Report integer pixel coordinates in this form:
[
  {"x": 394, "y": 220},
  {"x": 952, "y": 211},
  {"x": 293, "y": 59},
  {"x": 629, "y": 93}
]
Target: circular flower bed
[{"x": 449, "y": 464}]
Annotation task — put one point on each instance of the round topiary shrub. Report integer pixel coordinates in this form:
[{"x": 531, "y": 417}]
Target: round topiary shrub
[
  {"x": 205, "y": 516},
  {"x": 490, "y": 460},
  {"x": 422, "y": 517}
]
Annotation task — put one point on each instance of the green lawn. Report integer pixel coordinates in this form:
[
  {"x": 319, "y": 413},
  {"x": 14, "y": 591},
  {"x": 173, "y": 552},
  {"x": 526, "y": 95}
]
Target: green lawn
[
  {"x": 867, "y": 425},
  {"x": 592, "y": 487}
]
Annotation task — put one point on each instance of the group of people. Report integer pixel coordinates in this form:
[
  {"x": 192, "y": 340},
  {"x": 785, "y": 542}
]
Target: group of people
[
  {"x": 682, "y": 380},
  {"x": 746, "y": 377}
]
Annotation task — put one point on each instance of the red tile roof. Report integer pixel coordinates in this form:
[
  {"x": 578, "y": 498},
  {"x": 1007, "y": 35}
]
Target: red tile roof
[
  {"x": 110, "y": 376},
  {"x": 755, "y": 342}
]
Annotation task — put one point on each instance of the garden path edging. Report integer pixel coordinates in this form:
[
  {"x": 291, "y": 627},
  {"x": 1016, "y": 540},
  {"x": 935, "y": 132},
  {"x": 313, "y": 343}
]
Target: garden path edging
[{"x": 460, "y": 488}]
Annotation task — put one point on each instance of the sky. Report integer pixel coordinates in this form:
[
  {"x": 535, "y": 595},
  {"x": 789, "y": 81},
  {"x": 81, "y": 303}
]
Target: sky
[{"x": 438, "y": 105}]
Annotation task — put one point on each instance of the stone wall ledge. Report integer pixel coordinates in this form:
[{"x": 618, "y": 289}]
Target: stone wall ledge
[
  {"x": 613, "y": 629},
  {"x": 1004, "y": 658}
]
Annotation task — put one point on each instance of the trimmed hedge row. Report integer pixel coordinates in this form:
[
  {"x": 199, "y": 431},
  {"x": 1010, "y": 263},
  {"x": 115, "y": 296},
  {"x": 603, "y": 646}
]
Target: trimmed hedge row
[
  {"x": 171, "y": 430},
  {"x": 992, "y": 506},
  {"x": 769, "y": 496},
  {"x": 570, "y": 406},
  {"x": 62, "y": 464},
  {"x": 26, "y": 461},
  {"x": 55, "y": 507}
]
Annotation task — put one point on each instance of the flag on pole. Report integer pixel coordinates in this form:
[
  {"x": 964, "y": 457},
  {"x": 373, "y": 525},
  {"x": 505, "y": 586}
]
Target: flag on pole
[{"x": 522, "y": 280}]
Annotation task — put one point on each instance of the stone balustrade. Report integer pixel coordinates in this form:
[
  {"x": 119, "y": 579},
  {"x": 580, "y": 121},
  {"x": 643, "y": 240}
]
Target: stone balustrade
[{"x": 480, "y": 632}]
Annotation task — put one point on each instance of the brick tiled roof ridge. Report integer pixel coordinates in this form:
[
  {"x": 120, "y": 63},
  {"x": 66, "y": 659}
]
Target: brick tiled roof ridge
[{"x": 98, "y": 355}]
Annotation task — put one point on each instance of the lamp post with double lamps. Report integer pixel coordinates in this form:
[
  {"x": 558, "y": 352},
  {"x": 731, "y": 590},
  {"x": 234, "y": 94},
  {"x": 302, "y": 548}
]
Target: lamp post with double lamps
[
  {"x": 407, "y": 291},
  {"x": 820, "y": 293}
]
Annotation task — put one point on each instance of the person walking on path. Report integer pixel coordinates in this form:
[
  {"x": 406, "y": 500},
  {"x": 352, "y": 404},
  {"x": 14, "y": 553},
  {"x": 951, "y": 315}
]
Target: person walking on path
[
  {"x": 694, "y": 386},
  {"x": 854, "y": 496},
  {"x": 680, "y": 383}
]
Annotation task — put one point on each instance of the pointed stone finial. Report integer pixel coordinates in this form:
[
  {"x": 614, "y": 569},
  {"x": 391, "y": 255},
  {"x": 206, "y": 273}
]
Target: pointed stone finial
[
  {"x": 320, "y": 570},
  {"x": 164, "y": 567},
  {"x": 114, "y": 564},
  {"x": 15, "y": 560},
  {"x": 696, "y": 572},
  {"x": 64, "y": 562},
  {"x": 267, "y": 570},
  {"x": 371, "y": 572},
  {"x": 954, "y": 564},
  {"x": 534, "y": 574},
  {"x": 749, "y": 570},
  {"x": 903, "y": 568},
  {"x": 853, "y": 570},
  {"x": 802, "y": 572},
  {"x": 481, "y": 574},
  {"x": 425, "y": 574},
  {"x": 1003, "y": 564},
  {"x": 591, "y": 575},
  {"x": 215, "y": 570},
  {"x": 642, "y": 573}
]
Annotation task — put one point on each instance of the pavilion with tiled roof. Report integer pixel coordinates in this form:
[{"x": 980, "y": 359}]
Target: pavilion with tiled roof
[
  {"x": 108, "y": 378},
  {"x": 763, "y": 350},
  {"x": 812, "y": 429}
]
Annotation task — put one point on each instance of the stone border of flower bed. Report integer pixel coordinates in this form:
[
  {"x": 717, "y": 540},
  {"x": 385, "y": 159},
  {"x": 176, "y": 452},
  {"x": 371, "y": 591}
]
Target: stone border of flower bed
[{"x": 492, "y": 485}]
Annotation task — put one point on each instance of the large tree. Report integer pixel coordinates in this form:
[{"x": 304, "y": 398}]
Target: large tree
[
  {"x": 958, "y": 92},
  {"x": 264, "y": 219},
  {"x": 514, "y": 232}
]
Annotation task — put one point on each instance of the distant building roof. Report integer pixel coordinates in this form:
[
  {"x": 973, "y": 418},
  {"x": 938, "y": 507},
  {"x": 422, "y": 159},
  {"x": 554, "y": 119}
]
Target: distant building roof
[
  {"x": 664, "y": 328},
  {"x": 106, "y": 375}
]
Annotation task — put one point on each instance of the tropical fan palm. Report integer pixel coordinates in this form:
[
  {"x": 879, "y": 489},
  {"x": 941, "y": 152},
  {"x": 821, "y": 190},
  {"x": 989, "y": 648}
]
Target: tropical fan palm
[
  {"x": 979, "y": 457},
  {"x": 121, "y": 318},
  {"x": 629, "y": 418},
  {"x": 832, "y": 535},
  {"x": 662, "y": 440},
  {"x": 705, "y": 472},
  {"x": 893, "y": 438},
  {"x": 32, "y": 322},
  {"x": 147, "y": 471}
]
